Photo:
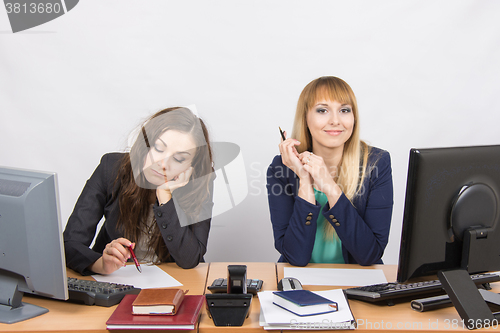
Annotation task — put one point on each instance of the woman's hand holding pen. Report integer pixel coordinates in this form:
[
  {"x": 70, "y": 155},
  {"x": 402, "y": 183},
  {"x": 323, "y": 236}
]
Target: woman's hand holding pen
[
  {"x": 164, "y": 192},
  {"x": 115, "y": 255},
  {"x": 311, "y": 170},
  {"x": 291, "y": 158}
]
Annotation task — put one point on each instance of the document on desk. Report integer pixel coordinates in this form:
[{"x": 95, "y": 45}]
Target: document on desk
[
  {"x": 273, "y": 317},
  {"x": 151, "y": 277},
  {"x": 336, "y": 276}
]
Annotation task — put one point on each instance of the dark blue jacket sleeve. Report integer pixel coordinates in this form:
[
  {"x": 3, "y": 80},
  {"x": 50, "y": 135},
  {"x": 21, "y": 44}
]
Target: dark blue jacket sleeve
[
  {"x": 293, "y": 218},
  {"x": 363, "y": 225}
]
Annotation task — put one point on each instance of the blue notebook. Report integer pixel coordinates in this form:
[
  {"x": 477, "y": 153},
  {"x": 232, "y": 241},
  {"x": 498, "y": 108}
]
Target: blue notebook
[{"x": 303, "y": 302}]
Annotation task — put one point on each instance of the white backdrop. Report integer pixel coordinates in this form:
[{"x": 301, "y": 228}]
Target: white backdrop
[{"x": 426, "y": 74}]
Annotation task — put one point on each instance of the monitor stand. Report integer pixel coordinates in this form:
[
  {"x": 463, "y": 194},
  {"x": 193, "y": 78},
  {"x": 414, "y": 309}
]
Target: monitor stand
[
  {"x": 469, "y": 302},
  {"x": 12, "y": 310}
]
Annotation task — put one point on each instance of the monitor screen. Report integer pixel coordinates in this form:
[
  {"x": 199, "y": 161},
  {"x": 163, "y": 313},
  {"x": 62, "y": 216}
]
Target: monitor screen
[
  {"x": 31, "y": 245},
  {"x": 451, "y": 211}
]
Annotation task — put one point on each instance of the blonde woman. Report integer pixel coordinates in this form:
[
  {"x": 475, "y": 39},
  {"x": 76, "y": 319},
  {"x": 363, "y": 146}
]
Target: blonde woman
[{"x": 330, "y": 194}]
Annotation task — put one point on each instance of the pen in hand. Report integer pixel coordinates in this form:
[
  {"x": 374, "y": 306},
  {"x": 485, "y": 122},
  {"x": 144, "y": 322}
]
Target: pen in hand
[
  {"x": 282, "y": 134},
  {"x": 135, "y": 259}
]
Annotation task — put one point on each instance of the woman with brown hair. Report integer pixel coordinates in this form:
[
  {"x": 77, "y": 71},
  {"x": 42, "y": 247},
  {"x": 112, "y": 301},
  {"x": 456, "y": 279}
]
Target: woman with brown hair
[
  {"x": 156, "y": 199},
  {"x": 330, "y": 194}
]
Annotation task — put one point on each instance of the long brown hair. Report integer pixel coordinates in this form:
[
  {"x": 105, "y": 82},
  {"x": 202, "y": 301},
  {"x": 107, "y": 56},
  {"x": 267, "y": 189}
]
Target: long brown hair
[{"x": 136, "y": 194}]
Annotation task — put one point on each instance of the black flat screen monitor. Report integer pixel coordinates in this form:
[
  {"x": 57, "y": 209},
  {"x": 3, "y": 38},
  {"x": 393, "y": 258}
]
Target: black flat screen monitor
[
  {"x": 451, "y": 212},
  {"x": 31, "y": 244}
]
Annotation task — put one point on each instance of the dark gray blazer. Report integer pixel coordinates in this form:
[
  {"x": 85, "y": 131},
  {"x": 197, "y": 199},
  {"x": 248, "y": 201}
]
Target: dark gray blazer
[{"x": 186, "y": 245}]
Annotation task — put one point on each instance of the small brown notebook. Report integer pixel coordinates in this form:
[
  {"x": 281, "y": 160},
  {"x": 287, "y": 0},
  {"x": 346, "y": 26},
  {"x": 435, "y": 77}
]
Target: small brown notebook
[{"x": 158, "y": 301}]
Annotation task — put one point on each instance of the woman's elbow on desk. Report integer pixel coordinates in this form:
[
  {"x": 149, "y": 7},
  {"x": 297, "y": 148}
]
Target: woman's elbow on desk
[
  {"x": 188, "y": 263},
  {"x": 300, "y": 262},
  {"x": 367, "y": 263},
  {"x": 370, "y": 259},
  {"x": 188, "y": 266}
]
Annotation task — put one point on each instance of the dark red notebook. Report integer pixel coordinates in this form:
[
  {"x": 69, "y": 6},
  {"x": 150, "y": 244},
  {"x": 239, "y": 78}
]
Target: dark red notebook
[{"x": 185, "y": 319}]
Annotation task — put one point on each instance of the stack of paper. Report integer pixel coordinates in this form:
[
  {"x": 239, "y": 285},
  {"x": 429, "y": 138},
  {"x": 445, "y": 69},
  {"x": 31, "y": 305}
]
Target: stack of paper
[
  {"x": 336, "y": 276},
  {"x": 152, "y": 276},
  {"x": 272, "y": 317}
]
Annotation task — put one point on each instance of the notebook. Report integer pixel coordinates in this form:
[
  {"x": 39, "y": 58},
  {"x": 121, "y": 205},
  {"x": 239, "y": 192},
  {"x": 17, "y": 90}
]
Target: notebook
[
  {"x": 303, "y": 302},
  {"x": 185, "y": 319},
  {"x": 158, "y": 301}
]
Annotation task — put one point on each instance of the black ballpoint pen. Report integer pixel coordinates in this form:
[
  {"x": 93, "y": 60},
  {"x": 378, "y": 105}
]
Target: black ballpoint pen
[{"x": 282, "y": 135}]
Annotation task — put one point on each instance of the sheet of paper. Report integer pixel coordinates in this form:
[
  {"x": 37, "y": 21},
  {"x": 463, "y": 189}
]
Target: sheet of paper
[
  {"x": 274, "y": 317},
  {"x": 336, "y": 276},
  {"x": 151, "y": 277}
]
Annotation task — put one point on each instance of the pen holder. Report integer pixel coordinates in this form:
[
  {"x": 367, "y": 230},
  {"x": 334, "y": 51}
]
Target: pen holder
[{"x": 228, "y": 309}]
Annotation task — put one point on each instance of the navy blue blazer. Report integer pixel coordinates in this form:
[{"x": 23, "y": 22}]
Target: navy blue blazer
[{"x": 362, "y": 226}]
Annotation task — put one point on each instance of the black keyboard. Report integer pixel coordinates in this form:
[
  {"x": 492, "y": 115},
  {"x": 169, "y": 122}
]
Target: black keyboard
[
  {"x": 390, "y": 291},
  {"x": 98, "y": 293},
  {"x": 220, "y": 286}
]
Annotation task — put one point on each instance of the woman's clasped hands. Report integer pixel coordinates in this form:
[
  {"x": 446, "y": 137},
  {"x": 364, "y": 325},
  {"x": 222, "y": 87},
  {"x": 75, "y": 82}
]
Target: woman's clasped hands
[{"x": 310, "y": 168}]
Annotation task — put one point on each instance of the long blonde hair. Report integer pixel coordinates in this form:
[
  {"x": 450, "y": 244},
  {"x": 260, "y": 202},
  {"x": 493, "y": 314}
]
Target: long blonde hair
[{"x": 351, "y": 170}]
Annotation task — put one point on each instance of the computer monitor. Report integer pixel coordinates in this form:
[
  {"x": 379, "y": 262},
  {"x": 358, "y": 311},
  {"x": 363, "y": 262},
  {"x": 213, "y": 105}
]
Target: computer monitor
[
  {"x": 31, "y": 244},
  {"x": 451, "y": 212}
]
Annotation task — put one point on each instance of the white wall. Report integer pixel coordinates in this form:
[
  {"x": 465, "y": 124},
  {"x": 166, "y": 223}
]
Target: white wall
[{"x": 426, "y": 74}]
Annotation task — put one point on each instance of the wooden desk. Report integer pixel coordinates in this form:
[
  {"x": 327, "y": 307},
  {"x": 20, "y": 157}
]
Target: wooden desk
[
  {"x": 263, "y": 271},
  {"x": 397, "y": 318},
  {"x": 66, "y": 316}
]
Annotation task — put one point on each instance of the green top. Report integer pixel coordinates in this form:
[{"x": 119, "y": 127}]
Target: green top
[{"x": 326, "y": 251}]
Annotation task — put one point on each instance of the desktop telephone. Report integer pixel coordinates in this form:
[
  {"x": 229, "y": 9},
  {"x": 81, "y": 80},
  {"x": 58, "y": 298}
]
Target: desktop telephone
[
  {"x": 220, "y": 286},
  {"x": 229, "y": 304}
]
